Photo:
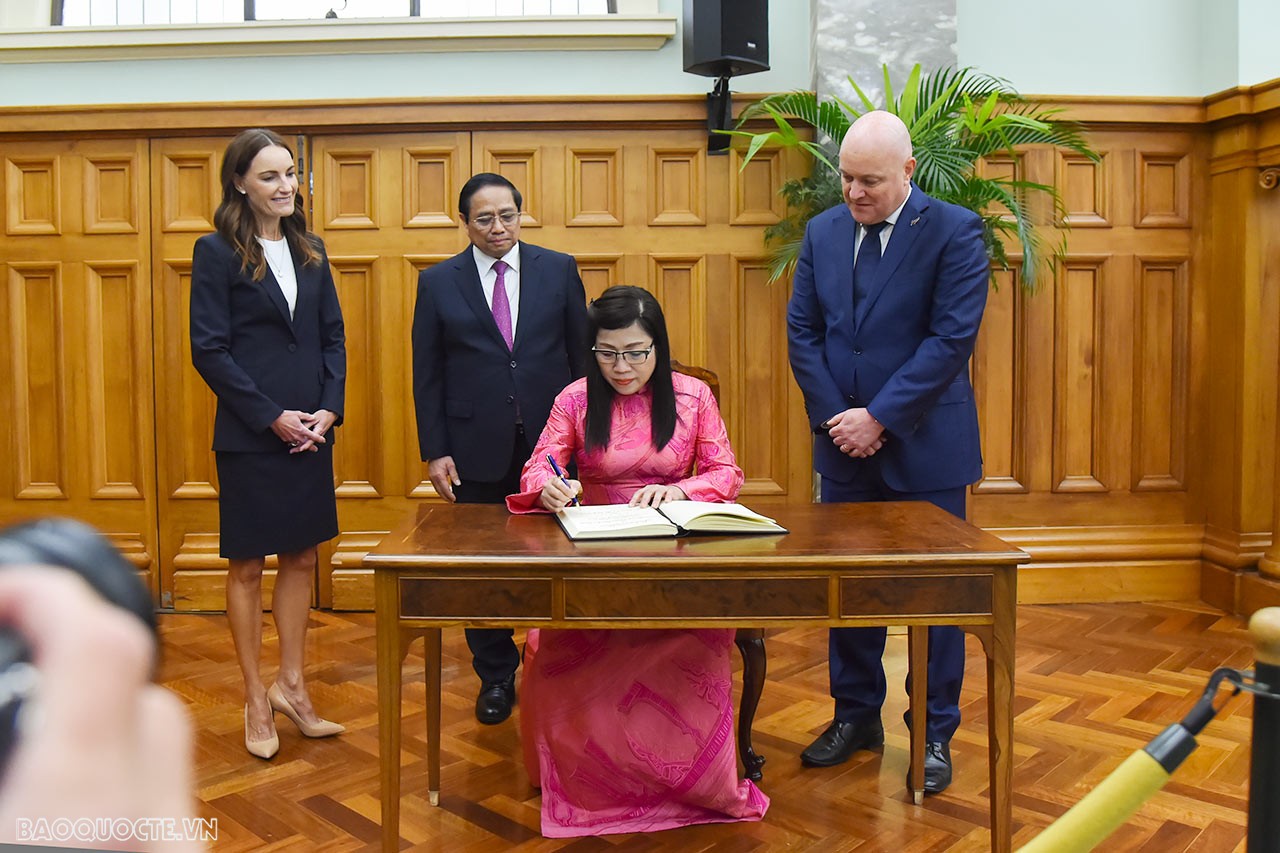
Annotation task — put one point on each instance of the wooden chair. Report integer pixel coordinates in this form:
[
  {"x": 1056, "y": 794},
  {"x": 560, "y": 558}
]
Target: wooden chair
[{"x": 750, "y": 641}]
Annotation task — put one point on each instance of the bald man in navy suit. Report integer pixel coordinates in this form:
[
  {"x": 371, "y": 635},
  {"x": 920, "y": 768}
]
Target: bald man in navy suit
[
  {"x": 889, "y": 291},
  {"x": 498, "y": 331}
]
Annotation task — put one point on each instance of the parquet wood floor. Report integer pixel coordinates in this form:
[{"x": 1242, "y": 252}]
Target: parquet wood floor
[{"x": 1094, "y": 683}]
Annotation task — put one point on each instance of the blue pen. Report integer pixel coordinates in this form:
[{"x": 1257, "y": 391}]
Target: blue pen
[{"x": 554, "y": 467}]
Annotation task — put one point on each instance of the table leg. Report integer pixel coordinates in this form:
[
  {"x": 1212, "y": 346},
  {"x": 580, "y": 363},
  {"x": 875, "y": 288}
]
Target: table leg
[
  {"x": 391, "y": 649},
  {"x": 431, "y": 652},
  {"x": 918, "y": 699},
  {"x": 1000, "y": 667},
  {"x": 750, "y": 643}
]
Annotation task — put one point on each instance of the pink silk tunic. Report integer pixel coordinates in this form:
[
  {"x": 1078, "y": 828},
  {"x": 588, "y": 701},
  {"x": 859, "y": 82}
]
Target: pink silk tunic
[{"x": 632, "y": 730}]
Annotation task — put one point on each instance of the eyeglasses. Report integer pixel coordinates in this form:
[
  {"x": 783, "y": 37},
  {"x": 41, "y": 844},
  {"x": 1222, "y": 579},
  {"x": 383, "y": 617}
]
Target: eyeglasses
[
  {"x": 485, "y": 222},
  {"x": 631, "y": 356}
]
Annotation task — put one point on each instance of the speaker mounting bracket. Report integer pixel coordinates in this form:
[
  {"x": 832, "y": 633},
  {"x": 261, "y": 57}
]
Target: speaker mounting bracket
[{"x": 719, "y": 117}]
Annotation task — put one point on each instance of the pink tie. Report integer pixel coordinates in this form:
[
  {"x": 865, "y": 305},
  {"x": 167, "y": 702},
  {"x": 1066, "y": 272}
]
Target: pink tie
[{"x": 501, "y": 305}]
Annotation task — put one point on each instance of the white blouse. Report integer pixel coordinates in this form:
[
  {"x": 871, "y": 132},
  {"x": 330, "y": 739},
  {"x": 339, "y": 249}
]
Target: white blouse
[{"x": 280, "y": 260}]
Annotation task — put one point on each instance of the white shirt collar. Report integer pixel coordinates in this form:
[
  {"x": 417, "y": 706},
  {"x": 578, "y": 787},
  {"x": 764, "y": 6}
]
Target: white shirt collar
[
  {"x": 892, "y": 218},
  {"x": 484, "y": 262}
]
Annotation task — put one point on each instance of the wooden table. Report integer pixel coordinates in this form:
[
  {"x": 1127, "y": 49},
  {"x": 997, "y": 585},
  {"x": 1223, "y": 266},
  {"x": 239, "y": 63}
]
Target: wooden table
[{"x": 841, "y": 565}]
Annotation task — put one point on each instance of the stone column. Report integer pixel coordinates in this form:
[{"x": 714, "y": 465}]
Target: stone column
[{"x": 852, "y": 38}]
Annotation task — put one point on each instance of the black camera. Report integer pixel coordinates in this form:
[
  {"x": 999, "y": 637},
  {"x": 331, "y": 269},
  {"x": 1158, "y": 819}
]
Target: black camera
[{"x": 71, "y": 545}]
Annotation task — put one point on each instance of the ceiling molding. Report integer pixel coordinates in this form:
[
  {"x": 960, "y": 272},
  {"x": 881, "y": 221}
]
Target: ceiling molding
[{"x": 291, "y": 38}]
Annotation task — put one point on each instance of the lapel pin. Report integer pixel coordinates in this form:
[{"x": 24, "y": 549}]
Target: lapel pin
[{"x": 913, "y": 222}]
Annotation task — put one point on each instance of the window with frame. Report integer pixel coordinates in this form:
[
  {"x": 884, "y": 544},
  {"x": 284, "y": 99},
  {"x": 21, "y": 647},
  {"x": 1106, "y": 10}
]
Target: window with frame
[{"x": 112, "y": 13}]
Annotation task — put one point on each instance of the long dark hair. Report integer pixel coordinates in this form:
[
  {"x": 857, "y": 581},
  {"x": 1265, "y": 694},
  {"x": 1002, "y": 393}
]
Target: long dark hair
[
  {"x": 235, "y": 220},
  {"x": 617, "y": 308}
]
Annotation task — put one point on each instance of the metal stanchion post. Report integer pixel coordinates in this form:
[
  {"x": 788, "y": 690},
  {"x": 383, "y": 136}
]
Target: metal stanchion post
[{"x": 1264, "y": 773}]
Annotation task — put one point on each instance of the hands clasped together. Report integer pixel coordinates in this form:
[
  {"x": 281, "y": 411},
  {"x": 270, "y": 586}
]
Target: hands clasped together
[
  {"x": 303, "y": 431},
  {"x": 856, "y": 433}
]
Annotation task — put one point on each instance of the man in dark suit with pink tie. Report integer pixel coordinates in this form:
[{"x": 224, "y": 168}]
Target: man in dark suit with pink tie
[
  {"x": 498, "y": 330},
  {"x": 889, "y": 291}
]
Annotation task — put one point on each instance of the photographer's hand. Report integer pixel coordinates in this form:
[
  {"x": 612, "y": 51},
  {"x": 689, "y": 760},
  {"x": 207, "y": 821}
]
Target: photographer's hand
[{"x": 100, "y": 740}]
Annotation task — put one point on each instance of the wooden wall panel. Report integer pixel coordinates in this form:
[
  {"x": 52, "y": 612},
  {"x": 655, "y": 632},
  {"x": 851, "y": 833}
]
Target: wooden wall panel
[
  {"x": 33, "y": 200},
  {"x": 1087, "y": 389},
  {"x": 523, "y": 166},
  {"x": 357, "y": 458},
  {"x": 1164, "y": 190},
  {"x": 1003, "y": 166},
  {"x": 1092, "y": 391},
  {"x": 417, "y": 483},
  {"x": 389, "y": 210},
  {"x": 183, "y": 197},
  {"x": 1084, "y": 188},
  {"x": 111, "y": 191},
  {"x": 753, "y": 193},
  {"x": 595, "y": 187},
  {"x": 76, "y": 346},
  {"x": 999, "y": 366},
  {"x": 1078, "y": 379},
  {"x": 351, "y": 176},
  {"x": 1161, "y": 379},
  {"x": 38, "y": 401},
  {"x": 188, "y": 469},
  {"x": 430, "y": 189},
  {"x": 680, "y": 284},
  {"x": 117, "y": 360},
  {"x": 760, "y": 378},
  {"x": 190, "y": 186},
  {"x": 599, "y": 273},
  {"x": 677, "y": 186}
]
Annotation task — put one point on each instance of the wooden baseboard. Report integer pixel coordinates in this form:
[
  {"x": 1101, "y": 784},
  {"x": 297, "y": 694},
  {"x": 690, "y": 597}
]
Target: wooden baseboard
[
  {"x": 1134, "y": 580},
  {"x": 352, "y": 589},
  {"x": 1219, "y": 586},
  {"x": 1109, "y": 563},
  {"x": 1256, "y": 592},
  {"x": 206, "y": 592}
]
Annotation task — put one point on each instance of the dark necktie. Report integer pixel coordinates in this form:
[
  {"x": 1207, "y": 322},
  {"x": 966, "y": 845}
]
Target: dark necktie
[
  {"x": 501, "y": 305},
  {"x": 864, "y": 270}
]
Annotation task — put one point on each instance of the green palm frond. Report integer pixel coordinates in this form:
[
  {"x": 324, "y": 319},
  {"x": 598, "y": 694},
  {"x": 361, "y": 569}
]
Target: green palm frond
[{"x": 956, "y": 116}]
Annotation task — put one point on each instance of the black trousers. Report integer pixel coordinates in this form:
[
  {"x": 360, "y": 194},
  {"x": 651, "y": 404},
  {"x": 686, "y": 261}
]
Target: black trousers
[
  {"x": 857, "y": 673},
  {"x": 493, "y": 653}
]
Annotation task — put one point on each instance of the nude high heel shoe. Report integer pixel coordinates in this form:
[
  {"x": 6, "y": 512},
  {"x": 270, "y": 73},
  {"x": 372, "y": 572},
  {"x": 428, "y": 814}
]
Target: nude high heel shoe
[
  {"x": 323, "y": 728},
  {"x": 261, "y": 748}
]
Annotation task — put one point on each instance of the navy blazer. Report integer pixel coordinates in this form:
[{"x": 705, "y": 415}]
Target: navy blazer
[
  {"x": 466, "y": 383},
  {"x": 903, "y": 355},
  {"x": 256, "y": 359}
]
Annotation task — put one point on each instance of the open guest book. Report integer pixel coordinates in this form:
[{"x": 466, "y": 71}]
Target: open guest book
[{"x": 674, "y": 518}]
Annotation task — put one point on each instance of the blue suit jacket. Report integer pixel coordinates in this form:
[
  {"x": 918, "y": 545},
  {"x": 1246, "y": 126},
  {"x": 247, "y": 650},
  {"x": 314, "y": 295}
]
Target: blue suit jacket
[
  {"x": 904, "y": 354},
  {"x": 466, "y": 383},
  {"x": 256, "y": 359}
]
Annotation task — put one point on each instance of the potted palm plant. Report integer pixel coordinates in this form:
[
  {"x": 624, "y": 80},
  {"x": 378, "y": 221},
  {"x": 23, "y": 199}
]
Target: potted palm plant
[{"x": 956, "y": 117}]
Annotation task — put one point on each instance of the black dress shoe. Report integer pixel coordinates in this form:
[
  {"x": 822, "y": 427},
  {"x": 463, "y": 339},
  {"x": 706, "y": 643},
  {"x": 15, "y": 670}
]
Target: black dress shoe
[
  {"x": 493, "y": 705},
  {"x": 841, "y": 740},
  {"x": 937, "y": 767}
]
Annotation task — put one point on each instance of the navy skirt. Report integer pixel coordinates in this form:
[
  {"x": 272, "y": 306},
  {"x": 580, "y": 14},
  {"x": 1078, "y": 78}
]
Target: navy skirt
[{"x": 275, "y": 503}]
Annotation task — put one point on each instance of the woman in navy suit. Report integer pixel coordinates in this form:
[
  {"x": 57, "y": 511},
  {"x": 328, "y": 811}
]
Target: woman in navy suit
[{"x": 267, "y": 336}]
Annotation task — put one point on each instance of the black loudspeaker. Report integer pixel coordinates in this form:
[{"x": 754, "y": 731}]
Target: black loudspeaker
[{"x": 726, "y": 38}]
